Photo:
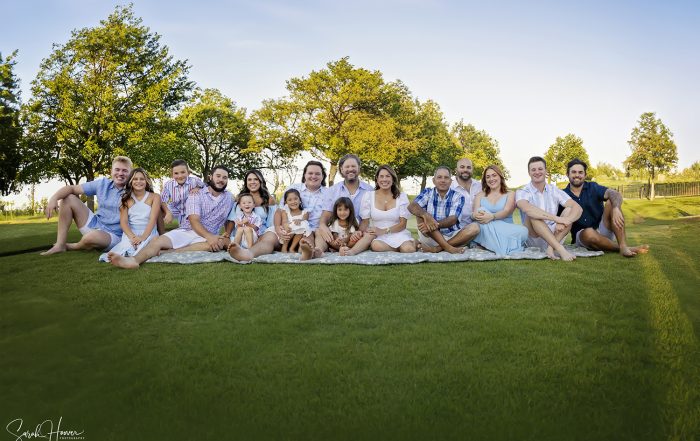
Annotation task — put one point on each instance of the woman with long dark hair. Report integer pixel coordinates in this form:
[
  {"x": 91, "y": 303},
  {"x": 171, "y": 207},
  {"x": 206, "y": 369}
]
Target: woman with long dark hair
[{"x": 387, "y": 208}]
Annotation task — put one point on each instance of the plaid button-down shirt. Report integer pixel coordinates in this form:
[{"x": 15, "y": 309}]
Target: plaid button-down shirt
[
  {"x": 212, "y": 211},
  {"x": 440, "y": 208}
]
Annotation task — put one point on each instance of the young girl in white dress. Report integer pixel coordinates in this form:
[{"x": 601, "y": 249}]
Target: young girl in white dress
[
  {"x": 343, "y": 225},
  {"x": 387, "y": 208},
  {"x": 138, "y": 215},
  {"x": 295, "y": 220}
]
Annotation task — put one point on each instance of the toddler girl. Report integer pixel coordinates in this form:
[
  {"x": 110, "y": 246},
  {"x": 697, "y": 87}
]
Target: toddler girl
[{"x": 247, "y": 222}]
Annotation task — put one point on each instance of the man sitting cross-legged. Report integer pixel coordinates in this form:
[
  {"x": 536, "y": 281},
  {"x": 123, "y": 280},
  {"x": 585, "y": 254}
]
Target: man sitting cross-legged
[
  {"x": 602, "y": 221},
  {"x": 437, "y": 211},
  {"x": 205, "y": 214},
  {"x": 538, "y": 202}
]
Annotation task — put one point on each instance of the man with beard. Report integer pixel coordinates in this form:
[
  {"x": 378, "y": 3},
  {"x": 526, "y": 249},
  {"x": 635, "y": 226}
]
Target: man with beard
[
  {"x": 100, "y": 230},
  {"x": 351, "y": 187},
  {"x": 205, "y": 214},
  {"x": 468, "y": 187},
  {"x": 601, "y": 227}
]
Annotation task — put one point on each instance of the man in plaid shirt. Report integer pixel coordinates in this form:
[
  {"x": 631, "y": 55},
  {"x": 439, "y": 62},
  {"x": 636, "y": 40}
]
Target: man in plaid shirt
[{"x": 437, "y": 212}]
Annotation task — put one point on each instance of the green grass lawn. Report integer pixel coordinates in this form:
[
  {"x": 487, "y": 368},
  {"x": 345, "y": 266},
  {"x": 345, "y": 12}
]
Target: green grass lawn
[{"x": 600, "y": 349}]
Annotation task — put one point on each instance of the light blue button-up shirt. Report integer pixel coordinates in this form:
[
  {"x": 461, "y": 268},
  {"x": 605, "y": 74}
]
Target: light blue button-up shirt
[{"x": 109, "y": 199}]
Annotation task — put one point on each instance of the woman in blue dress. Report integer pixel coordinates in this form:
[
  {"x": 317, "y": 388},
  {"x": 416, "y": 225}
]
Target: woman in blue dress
[{"x": 493, "y": 209}]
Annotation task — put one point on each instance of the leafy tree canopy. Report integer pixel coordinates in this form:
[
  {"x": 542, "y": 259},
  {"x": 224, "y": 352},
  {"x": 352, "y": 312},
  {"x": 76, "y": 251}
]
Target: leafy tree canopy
[
  {"x": 109, "y": 90},
  {"x": 561, "y": 152},
  {"x": 10, "y": 130},
  {"x": 479, "y": 147}
]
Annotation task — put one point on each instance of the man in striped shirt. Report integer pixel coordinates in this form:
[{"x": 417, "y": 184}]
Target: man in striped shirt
[
  {"x": 205, "y": 214},
  {"x": 437, "y": 212},
  {"x": 538, "y": 203}
]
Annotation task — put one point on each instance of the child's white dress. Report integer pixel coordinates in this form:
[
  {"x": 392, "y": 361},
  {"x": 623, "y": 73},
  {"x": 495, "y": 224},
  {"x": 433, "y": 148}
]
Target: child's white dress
[
  {"x": 303, "y": 227},
  {"x": 342, "y": 233},
  {"x": 139, "y": 214}
]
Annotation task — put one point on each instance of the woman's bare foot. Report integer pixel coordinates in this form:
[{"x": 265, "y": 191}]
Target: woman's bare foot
[
  {"x": 54, "y": 250},
  {"x": 122, "y": 262},
  {"x": 239, "y": 253}
]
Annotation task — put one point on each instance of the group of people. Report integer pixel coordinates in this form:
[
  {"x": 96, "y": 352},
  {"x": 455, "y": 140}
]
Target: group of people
[{"x": 349, "y": 217}]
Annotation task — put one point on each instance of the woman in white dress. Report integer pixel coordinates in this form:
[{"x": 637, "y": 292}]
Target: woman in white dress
[
  {"x": 387, "y": 209},
  {"x": 138, "y": 215}
]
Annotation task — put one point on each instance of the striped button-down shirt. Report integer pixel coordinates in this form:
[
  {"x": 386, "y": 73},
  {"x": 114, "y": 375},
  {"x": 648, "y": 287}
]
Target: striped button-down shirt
[
  {"x": 466, "y": 217},
  {"x": 547, "y": 200},
  {"x": 212, "y": 211},
  {"x": 175, "y": 195},
  {"x": 313, "y": 202},
  {"x": 109, "y": 199},
  {"x": 339, "y": 190},
  {"x": 440, "y": 208}
]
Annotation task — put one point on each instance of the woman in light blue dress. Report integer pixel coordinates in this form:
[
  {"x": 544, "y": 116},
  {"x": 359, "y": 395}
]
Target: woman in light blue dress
[{"x": 493, "y": 209}]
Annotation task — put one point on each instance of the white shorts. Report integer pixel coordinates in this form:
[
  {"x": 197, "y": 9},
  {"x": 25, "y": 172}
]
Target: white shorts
[
  {"x": 538, "y": 242},
  {"x": 602, "y": 230},
  {"x": 181, "y": 238},
  {"x": 113, "y": 238},
  {"x": 429, "y": 241}
]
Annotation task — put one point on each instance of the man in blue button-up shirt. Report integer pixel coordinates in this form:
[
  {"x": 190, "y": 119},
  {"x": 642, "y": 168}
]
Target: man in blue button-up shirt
[
  {"x": 601, "y": 227},
  {"x": 100, "y": 230}
]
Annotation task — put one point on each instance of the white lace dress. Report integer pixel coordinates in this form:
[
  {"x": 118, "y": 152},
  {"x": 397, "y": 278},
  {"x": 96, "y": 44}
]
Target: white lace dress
[
  {"x": 139, "y": 214},
  {"x": 303, "y": 227},
  {"x": 387, "y": 218}
]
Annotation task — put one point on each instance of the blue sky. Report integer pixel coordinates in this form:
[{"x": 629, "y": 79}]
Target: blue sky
[{"x": 526, "y": 72}]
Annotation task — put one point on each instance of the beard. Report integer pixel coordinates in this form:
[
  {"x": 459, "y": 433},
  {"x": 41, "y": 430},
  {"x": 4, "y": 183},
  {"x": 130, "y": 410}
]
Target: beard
[
  {"x": 217, "y": 189},
  {"x": 579, "y": 185},
  {"x": 465, "y": 176}
]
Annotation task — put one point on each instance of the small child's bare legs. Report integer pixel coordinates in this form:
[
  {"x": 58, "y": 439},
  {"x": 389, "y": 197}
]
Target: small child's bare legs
[
  {"x": 238, "y": 237},
  {"x": 295, "y": 243},
  {"x": 248, "y": 233}
]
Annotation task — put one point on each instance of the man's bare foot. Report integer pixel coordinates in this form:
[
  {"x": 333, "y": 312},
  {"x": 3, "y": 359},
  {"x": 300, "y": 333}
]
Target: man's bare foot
[
  {"x": 455, "y": 250},
  {"x": 429, "y": 249},
  {"x": 627, "y": 252},
  {"x": 343, "y": 251},
  {"x": 566, "y": 256},
  {"x": 73, "y": 246},
  {"x": 239, "y": 253},
  {"x": 122, "y": 262},
  {"x": 54, "y": 250},
  {"x": 551, "y": 254},
  {"x": 641, "y": 249}
]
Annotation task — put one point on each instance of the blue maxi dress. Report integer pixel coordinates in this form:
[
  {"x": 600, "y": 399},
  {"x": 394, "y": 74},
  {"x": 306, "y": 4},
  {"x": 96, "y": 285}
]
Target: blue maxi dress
[{"x": 501, "y": 236}]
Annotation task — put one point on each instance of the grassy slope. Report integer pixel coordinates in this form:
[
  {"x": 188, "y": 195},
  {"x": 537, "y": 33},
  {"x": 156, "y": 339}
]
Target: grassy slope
[{"x": 604, "y": 348}]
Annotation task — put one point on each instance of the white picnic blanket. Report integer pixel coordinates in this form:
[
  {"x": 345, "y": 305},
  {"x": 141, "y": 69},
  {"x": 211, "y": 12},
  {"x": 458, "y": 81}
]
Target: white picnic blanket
[{"x": 366, "y": 258}]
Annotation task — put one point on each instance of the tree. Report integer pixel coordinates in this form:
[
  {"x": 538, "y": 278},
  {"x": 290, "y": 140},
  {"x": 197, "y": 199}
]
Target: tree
[
  {"x": 109, "y": 90},
  {"x": 479, "y": 147},
  {"x": 219, "y": 132},
  {"x": 653, "y": 149},
  {"x": 435, "y": 145},
  {"x": 343, "y": 109},
  {"x": 561, "y": 152},
  {"x": 692, "y": 172},
  {"x": 10, "y": 129},
  {"x": 275, "y": 140},
  {"x": 604, "y": 169}
]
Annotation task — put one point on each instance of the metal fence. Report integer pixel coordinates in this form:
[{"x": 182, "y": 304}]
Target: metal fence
[{"x": 663, "y": 189}]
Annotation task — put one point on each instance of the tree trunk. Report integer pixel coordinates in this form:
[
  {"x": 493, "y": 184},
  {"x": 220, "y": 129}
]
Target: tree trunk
[
  {"x": 90, "y": 199},
  {"x": 331, "y": 173},
  {"x": 423, "y": 182},
  {"x": 652, "y": 193}
]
